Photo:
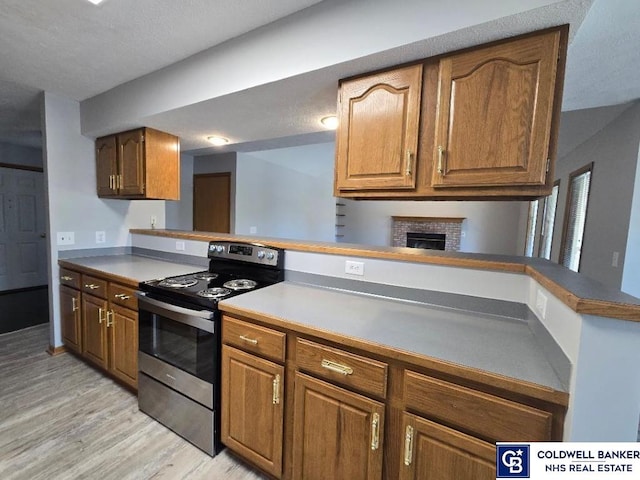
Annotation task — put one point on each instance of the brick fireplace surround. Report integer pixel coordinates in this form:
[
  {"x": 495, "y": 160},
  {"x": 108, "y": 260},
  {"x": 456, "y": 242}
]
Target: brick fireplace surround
[{"x": 450, "y": 226}]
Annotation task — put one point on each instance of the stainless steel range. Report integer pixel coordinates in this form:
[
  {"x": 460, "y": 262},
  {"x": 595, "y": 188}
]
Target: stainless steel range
[{"x": 179, "y": 332}]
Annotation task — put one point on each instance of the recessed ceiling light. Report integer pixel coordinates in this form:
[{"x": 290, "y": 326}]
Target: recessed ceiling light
[
  {"x": 216, "y": 140},
  {"x": 95, "y": 2},
  {"x": 330, "y": 122}
]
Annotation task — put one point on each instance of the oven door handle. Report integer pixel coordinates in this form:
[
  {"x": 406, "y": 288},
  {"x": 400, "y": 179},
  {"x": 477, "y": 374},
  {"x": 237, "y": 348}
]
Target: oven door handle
[{"x": 194, "y": 318}]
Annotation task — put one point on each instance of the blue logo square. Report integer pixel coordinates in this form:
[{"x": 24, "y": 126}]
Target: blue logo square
[{"x": 512, "y": 460}]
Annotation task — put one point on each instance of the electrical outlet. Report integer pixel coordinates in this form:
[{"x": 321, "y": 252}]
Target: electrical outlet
[
  {"x": 253, "y": 230},
  {"x": 180, "y": 246},
  {"x": 101, "y": 237},
  {"x": 153, "y": 220},
  {"x": 615, "y": 258},
  {"x": 354, "y": 268},
  {"x": 541, "y": 304},
  {"x": 65, "y": 238}
]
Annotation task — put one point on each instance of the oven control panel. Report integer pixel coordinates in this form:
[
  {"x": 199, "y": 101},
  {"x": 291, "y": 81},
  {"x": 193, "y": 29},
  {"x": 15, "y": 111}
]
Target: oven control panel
[{"x": 247, "y": 252}]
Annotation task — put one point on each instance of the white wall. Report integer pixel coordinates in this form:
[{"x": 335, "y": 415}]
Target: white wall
[
  {"x": 72, "y": 202},
  {"x": 179, "y": 213},
  {"x": 614, "y": 151},
  {"x": 490, "y": 227},
  {"x": 19, "y": 155},
  {"x": 631, "y": 272},
  {"x": 287, "y": 193},
  {"x": 329, "y": 33}
]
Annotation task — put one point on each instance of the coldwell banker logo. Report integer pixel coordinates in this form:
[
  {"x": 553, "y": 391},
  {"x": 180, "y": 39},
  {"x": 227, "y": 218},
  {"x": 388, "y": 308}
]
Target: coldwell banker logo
[{"x": 512, "y": 461}]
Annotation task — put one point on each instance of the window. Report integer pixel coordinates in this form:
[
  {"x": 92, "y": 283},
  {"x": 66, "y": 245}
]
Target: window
[
  {"x": 548, "y": 222},
  {"x": 575, "y": 217},
  {"x": 531, "y": 228}
]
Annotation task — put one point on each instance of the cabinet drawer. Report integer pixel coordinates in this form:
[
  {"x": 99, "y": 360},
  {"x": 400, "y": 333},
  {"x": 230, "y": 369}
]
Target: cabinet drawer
[
  {"x": 121, "y": 295},
  {"x": 253, "y": 338},
  {"x": 361, "y": 373},
  {"x": 487, "y": 416},
  {"x": 69, "y": 278},
  {"x": 94, "y": 286}
]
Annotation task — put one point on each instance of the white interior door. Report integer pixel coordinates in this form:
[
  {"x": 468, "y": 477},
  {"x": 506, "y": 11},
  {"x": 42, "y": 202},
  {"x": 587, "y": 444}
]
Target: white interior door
[{"x": 23, "y": 255}]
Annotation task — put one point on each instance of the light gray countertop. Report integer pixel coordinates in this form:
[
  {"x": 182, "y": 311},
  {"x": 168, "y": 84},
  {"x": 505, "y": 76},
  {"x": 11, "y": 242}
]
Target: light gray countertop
[
  {"x": 499, "y": 345},
  {"x": 133, "y": 267}
]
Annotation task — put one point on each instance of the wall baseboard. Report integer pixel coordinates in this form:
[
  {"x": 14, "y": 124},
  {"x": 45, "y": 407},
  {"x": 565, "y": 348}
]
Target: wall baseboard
[{"x": 53, "y": 351}]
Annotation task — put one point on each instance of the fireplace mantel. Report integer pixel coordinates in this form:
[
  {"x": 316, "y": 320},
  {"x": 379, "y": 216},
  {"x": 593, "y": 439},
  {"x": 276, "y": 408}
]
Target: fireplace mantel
[{"x": 429, "y": 219}]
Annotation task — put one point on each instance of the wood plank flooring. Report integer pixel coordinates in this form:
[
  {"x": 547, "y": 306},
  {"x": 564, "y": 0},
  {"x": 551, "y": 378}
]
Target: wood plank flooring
[{"x": 60, "y": 419}]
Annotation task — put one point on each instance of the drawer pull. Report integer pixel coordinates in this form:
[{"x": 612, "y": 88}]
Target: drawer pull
[
  {"x": 252, "y": 341},
  {"x": 92, "y": 286},
  {"x": 336, "y": 367},
  {"x": 66, "y": 278},
  {"x": 375, "y": 431},
  {"x": 276, "y": 390},
  {"x": 122, "y": 296},
  {"x": 74, "y": 305},
  {"x": 408, "y": 445}
]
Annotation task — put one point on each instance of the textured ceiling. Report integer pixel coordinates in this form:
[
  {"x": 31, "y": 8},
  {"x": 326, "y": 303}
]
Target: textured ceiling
[{"x": 75, "y": 49}]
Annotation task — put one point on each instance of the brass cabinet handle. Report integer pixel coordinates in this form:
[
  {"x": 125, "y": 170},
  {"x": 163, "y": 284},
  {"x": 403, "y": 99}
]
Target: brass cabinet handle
[
  {"x": 440, "y": 160},
  {"x": 74, "y": 304},
  {"x": 66, "y": 278},
  {"x": 109, "y": 316},
  {"x": 92, "y": 286},
  {"x": 119, "y": 183},
  {"x": 276, "y": 390},
  {"x": 122, "y": 296},
  {"x": 100, "y": 315},
  {"x": 375, "y": 432},
  {"x": 111, "y": 182},
  {"x": 408, "y": 165},
  {"x": 336, "y": 367},
  {"x": 408, "y": 445},
  {"x": 252, "y": 341}
]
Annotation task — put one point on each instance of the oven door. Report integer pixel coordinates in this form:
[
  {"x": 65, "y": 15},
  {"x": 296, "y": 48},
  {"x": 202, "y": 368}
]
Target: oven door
[{"x": 183, "y": 338}]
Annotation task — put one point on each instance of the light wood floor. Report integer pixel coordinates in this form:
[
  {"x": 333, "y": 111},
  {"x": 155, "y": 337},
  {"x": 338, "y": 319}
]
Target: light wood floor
[{"x": 60, "y": 419}]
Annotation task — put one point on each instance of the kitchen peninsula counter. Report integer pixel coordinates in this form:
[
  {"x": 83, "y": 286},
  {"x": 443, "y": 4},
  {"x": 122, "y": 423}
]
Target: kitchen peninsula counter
[
  {"x": 502, "y": 351},
  {"x": 580, "y": 293}
]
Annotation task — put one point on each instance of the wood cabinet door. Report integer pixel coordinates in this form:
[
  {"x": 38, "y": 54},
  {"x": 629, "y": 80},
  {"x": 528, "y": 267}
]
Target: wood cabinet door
[
  {"x": 131, "y": 162},
  {"x": 253, "y": 408},
  {"x": 377, "y": 138},
  {"x": 106, "y": 166},
  {"x": 122, "y": 326},
  {"x": 71, "y": 321},
  {"x": 94, "y": 329},
  {"x": 431, "y": 451},
  {"x": 337, "y": 434},
  {"x": 494, "y": 112}
]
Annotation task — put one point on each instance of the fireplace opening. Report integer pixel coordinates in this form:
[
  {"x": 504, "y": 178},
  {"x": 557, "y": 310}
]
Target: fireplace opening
[{"x": 430, "y": 241}]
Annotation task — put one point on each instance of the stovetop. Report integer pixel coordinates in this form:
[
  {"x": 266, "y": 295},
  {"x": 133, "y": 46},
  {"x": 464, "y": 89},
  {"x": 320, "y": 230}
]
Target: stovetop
[{"x": 234, "y": 268}]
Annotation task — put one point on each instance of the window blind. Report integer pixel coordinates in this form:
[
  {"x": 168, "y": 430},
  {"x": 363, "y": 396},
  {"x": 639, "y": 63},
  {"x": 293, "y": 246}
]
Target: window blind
[
  {"x": 548, "y": 222},
  {"x": 576, "y": 217}
]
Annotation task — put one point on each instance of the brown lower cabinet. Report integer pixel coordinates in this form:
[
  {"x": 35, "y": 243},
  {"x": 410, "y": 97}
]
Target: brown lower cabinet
[
  {"x": 99, "y": 320},
  {"x": 71, "y": 318},
  {"x": 359, "y": 411},
  {"x": 432, "y": 451},
  {"x": 253, "y": 412},
  {"x": 94, "y": 329},
  {"x": 338, "y": 434}
]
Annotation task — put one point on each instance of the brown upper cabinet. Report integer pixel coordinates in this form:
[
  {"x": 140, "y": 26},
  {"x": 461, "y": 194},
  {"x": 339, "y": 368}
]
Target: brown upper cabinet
[
  {"x": 486, "y": 126},
  {"x": 378, "y": 135},
  {"x": 138, "y": 164}
]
